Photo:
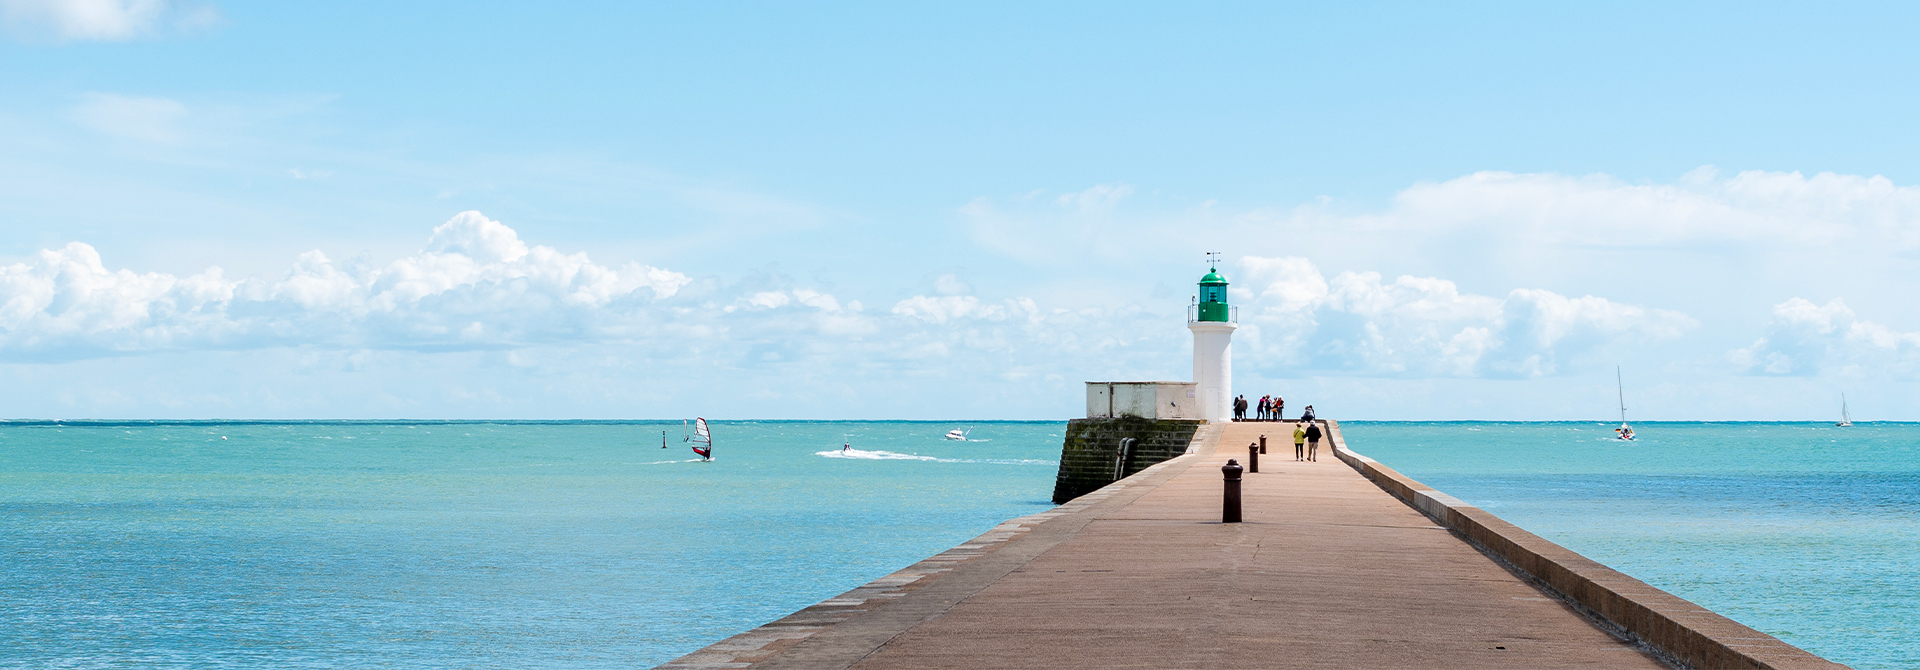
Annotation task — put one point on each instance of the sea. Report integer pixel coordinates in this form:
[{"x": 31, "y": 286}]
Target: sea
[
  {"x": 586, "y": 544},
  {"x": 1809, "y": 532}
]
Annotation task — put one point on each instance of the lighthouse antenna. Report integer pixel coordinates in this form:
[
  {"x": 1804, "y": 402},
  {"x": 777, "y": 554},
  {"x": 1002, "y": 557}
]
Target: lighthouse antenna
[{"x": 1213, "y": 259}]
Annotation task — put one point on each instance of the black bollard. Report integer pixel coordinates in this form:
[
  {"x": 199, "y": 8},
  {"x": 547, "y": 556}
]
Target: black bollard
[
  {"x": 1253, "y": 458},
  {"x": 1263, "y": 444},
  {"x": 1230, "y": 505}
]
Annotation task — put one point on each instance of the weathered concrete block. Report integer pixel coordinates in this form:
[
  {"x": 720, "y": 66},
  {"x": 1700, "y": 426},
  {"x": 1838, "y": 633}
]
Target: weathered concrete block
[{"x": 1090, "y": 453}]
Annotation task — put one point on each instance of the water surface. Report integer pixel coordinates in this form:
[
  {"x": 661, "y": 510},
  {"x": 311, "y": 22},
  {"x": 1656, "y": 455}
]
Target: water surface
[
  {"x": 450, "y": 545},
  {"x": 1805, "y": 531}
]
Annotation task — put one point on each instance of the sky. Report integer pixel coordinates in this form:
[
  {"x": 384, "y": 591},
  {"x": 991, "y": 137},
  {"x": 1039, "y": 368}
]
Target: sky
[{"x": 1427, "y": 211}]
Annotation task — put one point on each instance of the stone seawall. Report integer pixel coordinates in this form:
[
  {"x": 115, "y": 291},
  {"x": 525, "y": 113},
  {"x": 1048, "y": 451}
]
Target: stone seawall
[
  {"x": 1673, "y": 628},
  {"x": 1090, "y": 454}
]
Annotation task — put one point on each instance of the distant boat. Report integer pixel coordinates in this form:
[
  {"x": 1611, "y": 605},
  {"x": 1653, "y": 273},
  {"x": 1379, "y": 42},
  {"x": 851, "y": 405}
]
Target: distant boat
[
  {"x": 1844, "y": 419},
  {"x": 957, "y": 434},
  {"x": 701, "y": 436},
  {"x": 1625, "y": 431}
]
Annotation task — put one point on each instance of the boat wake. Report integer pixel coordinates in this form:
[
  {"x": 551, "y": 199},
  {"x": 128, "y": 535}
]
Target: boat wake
[
  {"x": 865, "y": 455},
  {"x": 684, "y": 460}
]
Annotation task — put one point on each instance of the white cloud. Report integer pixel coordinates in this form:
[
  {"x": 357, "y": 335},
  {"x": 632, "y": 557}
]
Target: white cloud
[
  {"x": 105, "y": 20},
  {"x": 1424, "y": 326},
  {"x": 475, "y": 284},
  {"x": 952, "y": 308},
  {"x": 1803, "y": 339},
  {"x": 1751, "y": 206}
]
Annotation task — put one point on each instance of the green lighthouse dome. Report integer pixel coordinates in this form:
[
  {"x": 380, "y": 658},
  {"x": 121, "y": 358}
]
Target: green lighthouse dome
[{"x": 1213, "y": 298}]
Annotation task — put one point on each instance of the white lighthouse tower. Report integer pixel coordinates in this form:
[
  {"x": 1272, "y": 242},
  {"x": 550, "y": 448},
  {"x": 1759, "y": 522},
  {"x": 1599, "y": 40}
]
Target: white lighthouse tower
[{"x": 1213, "y": 321}]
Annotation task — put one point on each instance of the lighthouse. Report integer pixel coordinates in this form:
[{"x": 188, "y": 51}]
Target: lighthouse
[{"x": 1213, "y": 321}]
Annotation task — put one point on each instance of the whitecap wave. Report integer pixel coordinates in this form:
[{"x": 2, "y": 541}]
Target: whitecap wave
[{"x": 865, "y": 455}]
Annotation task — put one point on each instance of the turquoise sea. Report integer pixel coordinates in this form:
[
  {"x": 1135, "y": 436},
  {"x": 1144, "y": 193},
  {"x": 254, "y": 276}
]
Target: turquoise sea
[
  {"x": 586, "y": 545},
  {"x": 1806, "y": 531},
  {"x": 467, "y": 545}
]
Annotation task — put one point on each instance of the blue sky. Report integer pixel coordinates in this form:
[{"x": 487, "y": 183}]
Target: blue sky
[{"x": 235, "y": 209}]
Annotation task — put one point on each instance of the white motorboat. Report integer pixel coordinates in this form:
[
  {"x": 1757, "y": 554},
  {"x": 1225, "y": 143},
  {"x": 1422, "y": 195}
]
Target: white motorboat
[{"x": 957, "y": 434}]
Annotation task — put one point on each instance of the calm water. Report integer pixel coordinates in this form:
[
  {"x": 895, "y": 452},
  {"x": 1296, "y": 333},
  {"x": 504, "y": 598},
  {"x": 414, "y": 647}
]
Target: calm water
[
  {"x": 436, "y": 545},
  {"x": 585, "y": 545},
  {"x": 1808, "y": 532}
]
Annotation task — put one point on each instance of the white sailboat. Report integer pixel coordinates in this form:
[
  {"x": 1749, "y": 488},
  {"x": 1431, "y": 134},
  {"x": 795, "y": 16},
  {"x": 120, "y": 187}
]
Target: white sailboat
[
  {"x": 1625, "y": 431},
  {"x": 1844, "y": 419}
]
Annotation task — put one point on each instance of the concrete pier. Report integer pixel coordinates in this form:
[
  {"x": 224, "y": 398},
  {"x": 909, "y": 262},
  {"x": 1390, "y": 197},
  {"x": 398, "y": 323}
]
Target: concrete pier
[{"x": 1340, "y": 563}]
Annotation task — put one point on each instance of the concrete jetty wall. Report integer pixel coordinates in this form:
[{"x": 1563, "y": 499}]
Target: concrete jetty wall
[
  {"x": 1684, "y": 633},
  {"x": 1090, "y": 454},
  {"x": 1325, "y": 572}
]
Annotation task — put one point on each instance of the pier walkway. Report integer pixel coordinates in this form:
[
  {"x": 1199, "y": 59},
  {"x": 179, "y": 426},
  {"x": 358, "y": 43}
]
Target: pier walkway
[{"x": 1327, "y": 571}]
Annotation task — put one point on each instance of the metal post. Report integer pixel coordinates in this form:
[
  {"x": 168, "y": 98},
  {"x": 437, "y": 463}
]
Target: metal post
[
  {"x": 1120, "y": 464},
  {"x": 1230, "y": 505},
  {"x": 1253, "y": 458},
  {"x": 1263, "y": 444}
]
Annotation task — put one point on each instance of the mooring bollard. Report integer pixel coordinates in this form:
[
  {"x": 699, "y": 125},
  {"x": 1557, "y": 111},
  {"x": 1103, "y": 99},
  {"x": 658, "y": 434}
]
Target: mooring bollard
[
  {"x": 1263, "y": 444},
  {"x": 1230, "y": 505},
  {"x": 1253, "y": 457}
]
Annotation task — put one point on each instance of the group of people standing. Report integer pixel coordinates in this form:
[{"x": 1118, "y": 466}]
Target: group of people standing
[{"x": 1270, "y": 408}]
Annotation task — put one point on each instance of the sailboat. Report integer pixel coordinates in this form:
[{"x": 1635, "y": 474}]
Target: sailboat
[
  {"x": 1625, "y": 431},
  {"x": 1844, "y": 419},
  {"x": 701, "y": 436}
]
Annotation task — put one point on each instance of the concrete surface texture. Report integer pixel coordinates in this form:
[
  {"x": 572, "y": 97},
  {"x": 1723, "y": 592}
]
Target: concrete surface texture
[{"x": 1327, "y": 571}]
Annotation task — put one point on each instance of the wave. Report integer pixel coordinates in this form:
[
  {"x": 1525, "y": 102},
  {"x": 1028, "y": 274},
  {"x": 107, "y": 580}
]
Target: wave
[{"x": 865, "y": 455}]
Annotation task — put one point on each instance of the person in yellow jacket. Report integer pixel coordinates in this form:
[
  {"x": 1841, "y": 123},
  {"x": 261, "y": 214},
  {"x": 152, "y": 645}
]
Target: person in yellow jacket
[{"x": 1300, "y": 441}]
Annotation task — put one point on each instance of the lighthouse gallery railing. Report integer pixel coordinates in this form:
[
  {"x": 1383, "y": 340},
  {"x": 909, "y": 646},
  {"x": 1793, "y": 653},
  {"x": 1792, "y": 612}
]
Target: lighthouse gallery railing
[{"x": 1233, "y": 313}]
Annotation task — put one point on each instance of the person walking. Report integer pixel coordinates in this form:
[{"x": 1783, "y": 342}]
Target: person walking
[
  {"x": 1313, "y": 441},
  {"x": 1300, "y": 442}
]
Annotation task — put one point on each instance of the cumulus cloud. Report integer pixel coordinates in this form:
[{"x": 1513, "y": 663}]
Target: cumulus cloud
[
  {"x": 1751, "y": 206},
  {"x": 476, "y": 284},
  {"x": 1425, "y": 326},
  {"x": 104, "y": 20},
  {"x": 1804, "y": 338}
]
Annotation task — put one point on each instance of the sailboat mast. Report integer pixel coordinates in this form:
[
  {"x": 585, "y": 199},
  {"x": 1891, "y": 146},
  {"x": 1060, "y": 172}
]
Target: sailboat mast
[{"x": 1621, "y": 388}]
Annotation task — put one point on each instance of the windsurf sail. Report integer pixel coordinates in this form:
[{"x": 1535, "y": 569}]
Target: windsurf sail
[{"x": 702, "y": 439}]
